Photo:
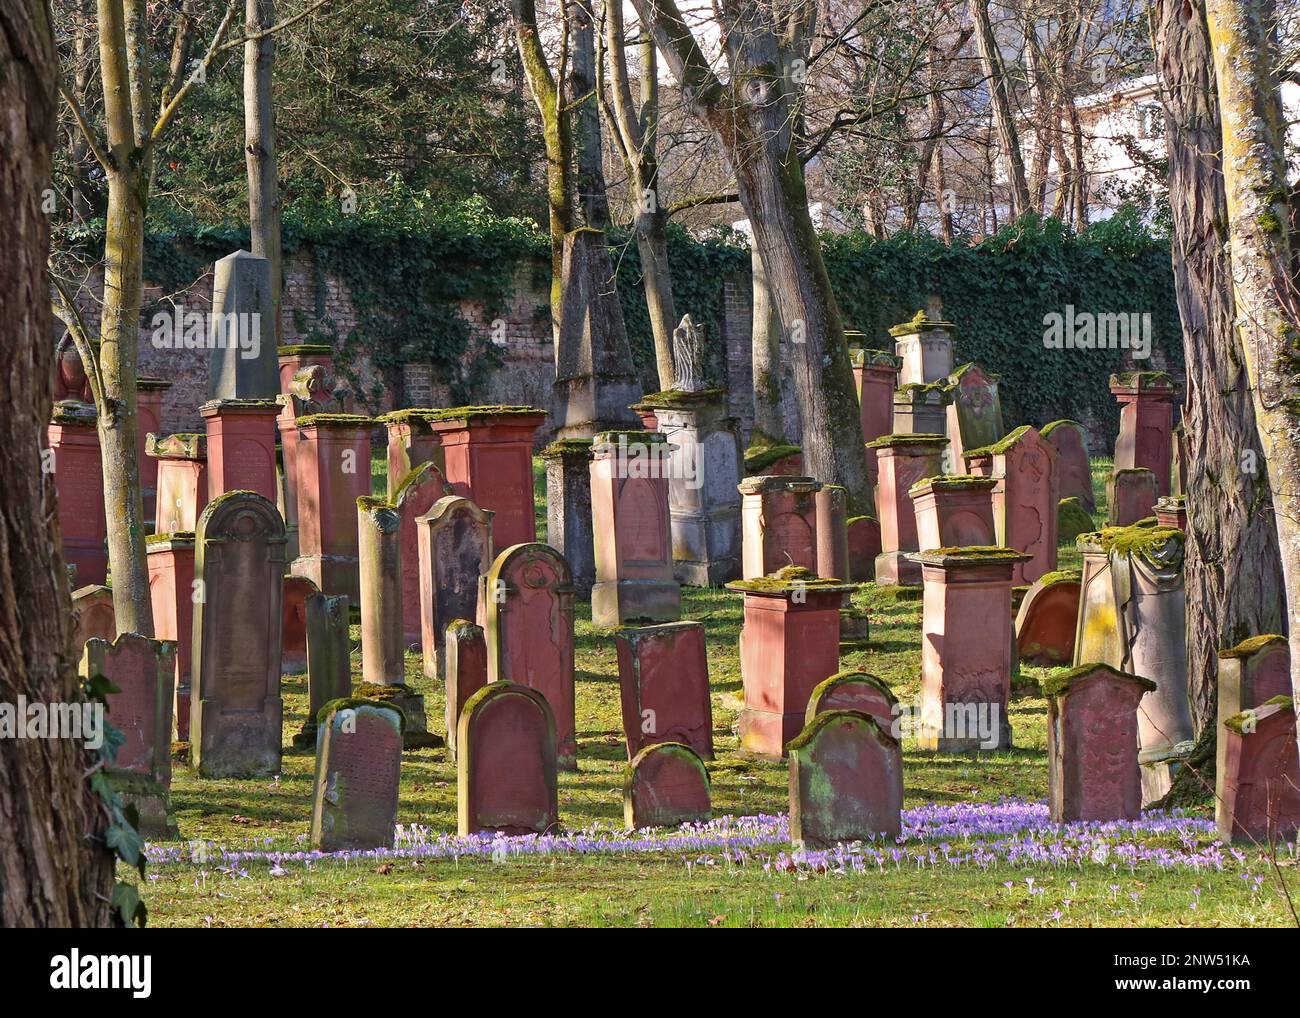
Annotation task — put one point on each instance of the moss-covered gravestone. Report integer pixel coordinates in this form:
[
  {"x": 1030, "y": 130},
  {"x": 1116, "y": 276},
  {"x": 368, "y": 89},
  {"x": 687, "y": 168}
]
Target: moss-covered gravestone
[
  {"x": 778, "y": 519},
  {"x": 924, "y": 348},
  {"x": 854, "y": 691},
  {"x": 1145, "y": 423},
  {"x": 666, "y": 784},
  {"x": 1047, "y": 622},
  {"x": 904, "y": 459},
  {"x": 1072, "y": 521},
  {"x": 1071, "y": 443},
  {"x": 846, "y": 781},
  {"x": 465, "y": 664},
  {"x": 419, "y": 491},
  {"x": 953, "y": 511},
  {"x": 329, "y": 662},
  {"x": 864, "y": 545},
  {"x": 1130, "y": 496},
  {"x": 1258, "y": 790},
  {"x": 358, "y": 769},
  {"x": 974, "y": 409},
  {"x": 1025, "y": 499},
  {"x": 506, "y": 763}
]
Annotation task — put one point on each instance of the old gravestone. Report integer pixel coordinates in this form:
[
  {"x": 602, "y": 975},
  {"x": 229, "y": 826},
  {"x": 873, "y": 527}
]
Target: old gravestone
[
  {"x": 454, "y": 542},
  {"x": 1025, "y": 499},
  {"x": 1130, "y": 496},
  {"x": 329, "y": 663},
  {"x": 778, "y": 523},
  {"x": 1071, "y": 443},
  {"x": 293, "y": 626},
  {"x": 974, "y": 409},
  {"x": 416, "y": 495},
  {"x": 666, "y": 784},
  {"x": 465, "y": 662},
  {"x": 664, "y": 680},
  {"x": 92, "y": 615},
  {"x": 854, "y": 691},
  {"x": 1047, "y": 621},
  {"x": 243, "y": 362},
  {"x": 846, "y": 781},
  {"x": 506, "y": 764},
  {"x": 358, "y": 768},
  {"x": 1259, "y": 789},
  {"x": 235, "y": 707}
]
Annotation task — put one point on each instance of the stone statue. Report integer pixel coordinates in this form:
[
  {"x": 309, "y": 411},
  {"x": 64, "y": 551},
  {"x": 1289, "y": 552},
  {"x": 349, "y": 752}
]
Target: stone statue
[{"x": 688, "y": 357}]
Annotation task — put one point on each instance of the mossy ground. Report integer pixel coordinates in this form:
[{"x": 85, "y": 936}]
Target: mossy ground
[{"x": 676, "y": 888}]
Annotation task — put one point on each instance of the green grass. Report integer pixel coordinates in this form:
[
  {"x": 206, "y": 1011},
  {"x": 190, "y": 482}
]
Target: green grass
[{"x": 677, "y": 888}]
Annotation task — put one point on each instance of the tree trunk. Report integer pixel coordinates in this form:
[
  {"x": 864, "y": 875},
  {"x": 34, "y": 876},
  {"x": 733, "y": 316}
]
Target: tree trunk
[
  {"x": 1243, "y": 41},
  {"x": 996, "y": 76},
  {"x": 54, "y": 870},
  {"x": 765, "y": 343},
  {"x": 260, "y": 145},
  {"x": 579, "y": 99}
]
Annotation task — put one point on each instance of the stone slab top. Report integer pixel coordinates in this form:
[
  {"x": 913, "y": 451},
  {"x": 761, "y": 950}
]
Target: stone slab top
[
  {"x": 955, "y": 375},
  {"x": 953, "y": 482},
  {"x": 830, "y": 717},
  {"x": 1162, "y": 545},
  {"x": 409, "y": 415},
  {"x": 865, "y": 357},
  {"x": 328, "y": 710},
  {"x": 576, "y": 447},
  {"x": 334, "y": 421},
  {"x": 1252, "y": 645},
  {"x": 790, "y": 580},
  {"x": 1064, "y": 422},
  {"x": 613, "y": 439},
  {"x": 1162, "y": 754},
  {"x": 759, "y": 457},
  {"x": 1058, "y": 682},
  {"x": 778, "y": 482},
  {"x": 1002, "y": 446},
  {"x": 1126, "y": 383},
  {"x": 1245, "y": 723},
  {"x": 1059, "y": 576},
  {"x": 181, "y": 446},
  {"x": 904, "y": 440},
  {"x": 634, "y": 633},
  {"x": 73, "y": 413},
  {"x": 453, "y": 417},
  {"x": 910, "y": 391},
  {"x": 147, "y": 383},
  {"x": 670, "y": 399},
  {"x": 1171, "y": 503},
  {"x": 304, "y": 350},
  {"x": 973, "y": 557},
  {"x": 921, "y": 322},
  {"x": 213, "y": 407}
]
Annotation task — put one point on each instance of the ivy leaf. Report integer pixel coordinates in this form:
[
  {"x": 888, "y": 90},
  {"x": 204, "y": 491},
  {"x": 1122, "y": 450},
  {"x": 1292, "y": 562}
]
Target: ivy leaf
[
  {"x": 125, "y": 840},
  {"x": 127, "y": 904}
]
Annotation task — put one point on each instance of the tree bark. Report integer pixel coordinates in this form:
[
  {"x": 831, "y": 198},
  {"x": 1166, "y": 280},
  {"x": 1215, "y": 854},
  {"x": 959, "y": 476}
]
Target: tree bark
[
  {"x": 765, "y": 344},
  {"x": 54, "y": 869},
  {"x": 260, "y": 150}
]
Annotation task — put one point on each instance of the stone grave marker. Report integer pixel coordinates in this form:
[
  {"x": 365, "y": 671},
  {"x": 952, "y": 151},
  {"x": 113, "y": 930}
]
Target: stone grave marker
[{"x": 665, "y": 785}]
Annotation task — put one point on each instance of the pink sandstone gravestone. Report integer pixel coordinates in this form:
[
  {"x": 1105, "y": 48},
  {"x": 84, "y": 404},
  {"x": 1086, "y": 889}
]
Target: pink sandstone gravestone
[
  {"x": 293, "y": 626},
  {"x": 1025, "y": 499},
  {"x": 182, "y": 481},
  {"x": 924, "y": 348},
  {"x": 864, "y": 546},
  {"x": 333, "y": 472},
  {"x": 411, "y": 442},
  {"x": 415, "y": 496},
  {"x": 506, "y": 763},
  {"x": 1071, "y": 443},
  {"x": 875, "y": 376},
  {"x": 778, "y": 519},
  {"x": 854, "y": 691},
  {"x": 974, "y": 410},
  {"x": 846, "y": 781},
  {"x": 172, "y": 591},
  {"x": 530, "y": 633},
  {"x": 241, "y": 446},
  {"x": 1146, "y": 420},
  {"x": 904, "y": 460},
  {"x": 358, "y": 769},
  {"x": 454, "y": 545},
  {"x": 1047, "y": 621},
  {"x": 953, "y": 511},
  {"x": 665, "y": 785},
  {"x": 308, "y": 390},
  {"x": 92, "y": 616},
  {"x": 73, "y": 440},
  {"x": 1259, "y": 789},
  {"x": 663, "y": 677},
  {"x": 465, "y": 651},
  {"x": 1130, "y": 496}
]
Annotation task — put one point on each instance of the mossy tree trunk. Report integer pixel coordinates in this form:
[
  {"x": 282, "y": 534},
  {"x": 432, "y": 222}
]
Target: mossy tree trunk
[
  {"x": 765, "y": 350},
  {"x": 54, "y": 869}
]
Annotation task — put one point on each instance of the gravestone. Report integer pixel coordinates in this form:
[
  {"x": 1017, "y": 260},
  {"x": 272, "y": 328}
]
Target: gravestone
[
  {"x": 966, "y": 648},
  {"x": 415, "y": 497},
  {"x": 411, "y": 442},
  {"x": 904, "y": 459},
  {"x": 830, "y": 504},
  {"x": 296, "y": 357},
  {"x": 293, "y": 628},
  {"x": 530, "y": 633},
  {"x": 875, "y": 376},
  {"x": 1071, "y": 443},
  {"x": 846, "y": 781},
  {"x": 920, "y": 410},
  {"x": 953, "y": 511},
  {"x": 1047, "y": 622},
  {"x": 663, "y": 677},
  {"x": 241, "y": 446},
  {"x": 454, "y": 541},
  {"x": 569, "y": 527},
  {"x": 1258, "y": 791},
  {"x": 1146, "y": 420},
  {"x": 1025, "y": 499},
  {"x": 182, "y": 481},
  {"x": 142, "y": 670},
  {"x": 1171, "y": 511},
  {"x": 1098, "y": 638},
  {"x": 974, "y": 411},
  {"x": 304, "y": 392},
  {"x": 73, "y": 440},
  {"x": 465, "y": 651},
  {"x": 864, "y": 546},
  {"x": 235, "y": 707},
  {"x": 778, "y": 524},
  {"x": 92, "y": 616},
  {"x": 855, "y": 691},
  {"x": 243, "y": 363},
  {"x": 1092, "y": 755},
  {"x": 329, "y": 658},
  {"x": 924, "y": 347},
  {"x": 333, "y": 472},
  {"x": 358, "y": 770},
  {"x": 1130, "y": 496},
  {"x": 665, "y": 785},
  {"x": 506, "y": 762},
  {"x": 170, "y": 558},
  {"x": 632, "y": 533}
]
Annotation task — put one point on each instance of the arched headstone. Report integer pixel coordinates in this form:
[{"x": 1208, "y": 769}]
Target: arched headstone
[{"x": 506, "y": 764}]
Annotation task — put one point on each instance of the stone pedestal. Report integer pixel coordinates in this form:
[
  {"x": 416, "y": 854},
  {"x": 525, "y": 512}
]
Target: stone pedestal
[
  {"x": 920, "y": 410},
  {"x": 633, "y": 538},
  {"x": 489, "y": 458},
  {"x": 568, "y": 508},
  {"x": 1073, "y": 465},
  {"x": 1130, "y": 496},
  {"x": 924, "y": 346},
  {"x": 1026, "y": 498},
  {"x": 79, "y": 481},
  {"x": 966, "y": 649},
  {"x": 296, "y": 357},
  {"x": 171, "y": 592},
  {"x": 778, "y": 517},
  {"x": 148, "y": 409},
  {"x": 789, "y": 644},
  {"x": 875, "y": 376},
  {"x": 182, "y": 481},
  {"x": 243, "y": 363},
  {"x": 411, "y": 441},
  {"x": 1171, "y": 511},
  {"x": 953, "y": 512},
  {"x": 1146, "y": 419},
  {"x": 704, "y": 467},
  {"x": 241, "y": 446},
  {"x": 333, "y": 472},
  {"x": 904, "y": 460}
]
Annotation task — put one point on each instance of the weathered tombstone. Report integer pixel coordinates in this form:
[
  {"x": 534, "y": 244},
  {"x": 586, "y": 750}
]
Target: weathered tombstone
[
  {"x": 1146, "y": 421},
  {"x": 768, "y": 458},
  {"x": 506, "y": 762},
  {"x": 1130, "y": 496},
  {"x": 358, "y": 769},
  {"x": 789, "y": 643},
  {"x": 143, "y": 671},
  {"x": 924, "y": 346},
  {"x": 953, "y": 511},
  {"x": 1097, "y": 637},
  {"x": 530, "y": 633},
  {"x": 73, "y": 439},
  {"x": 665, "y": 785},
  {"x": 569, "y": 528},
  {"x": 904, "y": 460},
  {"x": 1092, "y": 754},
  {"x": 465, "y": 652},
  {"x": 875, "y": 376},
  {"x": 1047, "y": 622},
  {"x": 920, "y": 410},
  {"x": 333, "y": 472},
  {"x": 846, "y": 781},
  {"x": 966, "y": 648},
  {"x": 488, "y": 453},
  {"x": 149, "y": 394},
  {"x": 594, "y": 381},
  {"x": 329, "y": 658},
  {"x": 633, "y": 537},
  {"x": 1072, "y": 522},
  {"x": 307, "y": 391},
  {"x": 170, "y": 558},
  {"x": 454, "y": 541},
  {"x": 182, "y": 481},
  {"x": 1258, "y": 791},
  {"x": 243, "y": 363},
  {"x": 293, "y": 627},
  {"x": 1071, "y": 443},
  {"x": 1171, "y": 511},
  {"x": 854, "y": 691},
  {"x": 241, "y": 446},
  {"x": 411, "y": 442},
  {"x": 864, "y": 546},
  {"x": 1025, "y": 499},
  {"x": 92, "y": 616},
  {"x": 415, "y": 496},
  {"x": 235, "y": 708},
  {"x": 974, "y": 409},
  {"x": 296, "y": 357},
  {"x": 663, "y": 677},
  {"x": 778, "y": 523}
]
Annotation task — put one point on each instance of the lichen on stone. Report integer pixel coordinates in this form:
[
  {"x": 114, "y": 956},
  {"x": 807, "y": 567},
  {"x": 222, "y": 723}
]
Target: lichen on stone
[{"x": 1059, "y": 680}]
